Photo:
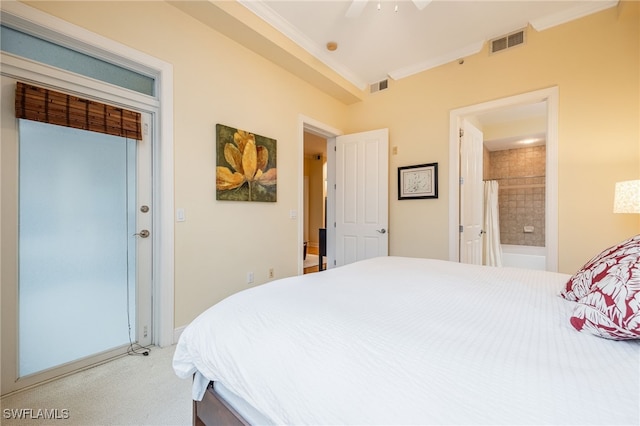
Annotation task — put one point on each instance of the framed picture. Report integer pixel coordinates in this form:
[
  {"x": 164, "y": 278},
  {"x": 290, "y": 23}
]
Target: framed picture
[
  {"x": 420, "y": 181},
  {"x": 245, "y": 166}
]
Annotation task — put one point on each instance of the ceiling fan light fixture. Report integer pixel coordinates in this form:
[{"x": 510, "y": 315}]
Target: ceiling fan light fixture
[
  {"x": 421, "y": 4},
  {"x": 357, "y": 6}
]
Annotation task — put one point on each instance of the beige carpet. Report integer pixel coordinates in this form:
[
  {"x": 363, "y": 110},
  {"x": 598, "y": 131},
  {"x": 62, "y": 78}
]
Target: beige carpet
[{"x": 132, "y": 390}]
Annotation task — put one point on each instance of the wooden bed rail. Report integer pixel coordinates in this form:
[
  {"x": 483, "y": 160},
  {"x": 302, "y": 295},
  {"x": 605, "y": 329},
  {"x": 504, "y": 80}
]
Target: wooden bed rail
[{"x": 215, "y": 411}]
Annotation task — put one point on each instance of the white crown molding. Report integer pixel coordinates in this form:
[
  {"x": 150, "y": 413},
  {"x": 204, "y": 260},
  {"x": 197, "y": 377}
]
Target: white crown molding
[
  {"x": 584, "y": 9},
  {"x": 263, "y": 11},
  {"x": 440, "y": 60}
]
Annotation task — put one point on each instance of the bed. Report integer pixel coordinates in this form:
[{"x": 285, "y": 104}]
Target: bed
[{"x": 397, "y": 340}]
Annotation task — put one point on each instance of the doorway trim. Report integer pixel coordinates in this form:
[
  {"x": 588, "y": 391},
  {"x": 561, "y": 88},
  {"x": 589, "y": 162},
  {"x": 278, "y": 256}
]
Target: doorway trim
[
  {"x": 310, "y": 125},
  {"x": 35, "y": 21},
  {"x": 548, "y": 95}
]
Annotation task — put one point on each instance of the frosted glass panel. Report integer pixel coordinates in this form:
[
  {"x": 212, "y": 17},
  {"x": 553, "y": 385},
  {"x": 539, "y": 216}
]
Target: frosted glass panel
[
  {"x": 40, "y": 50},
  {"x": 76, "y": 244}
]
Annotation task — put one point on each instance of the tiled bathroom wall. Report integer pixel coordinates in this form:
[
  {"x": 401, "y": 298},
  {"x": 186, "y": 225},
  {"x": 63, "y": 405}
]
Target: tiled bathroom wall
[{"x": 521, "y": 199}]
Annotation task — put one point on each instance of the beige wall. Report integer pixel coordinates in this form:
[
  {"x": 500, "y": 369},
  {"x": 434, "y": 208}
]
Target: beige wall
[
  {"x": 217, "y": 81},
  {"x": 593, "y": 61}
]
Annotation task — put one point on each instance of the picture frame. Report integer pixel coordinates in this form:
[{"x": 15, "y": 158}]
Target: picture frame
[
  {"x": 418, "y": 182},
  {"x": 246, "y": 168}
]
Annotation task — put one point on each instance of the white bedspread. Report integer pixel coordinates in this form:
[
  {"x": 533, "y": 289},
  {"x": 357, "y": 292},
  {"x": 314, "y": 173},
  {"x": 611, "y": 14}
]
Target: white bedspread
[{"x": 412, "y": 341}]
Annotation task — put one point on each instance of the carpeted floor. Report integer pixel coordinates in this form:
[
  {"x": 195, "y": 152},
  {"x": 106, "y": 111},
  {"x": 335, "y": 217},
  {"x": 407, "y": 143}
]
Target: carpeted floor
[{"x": 132, "y": 390}]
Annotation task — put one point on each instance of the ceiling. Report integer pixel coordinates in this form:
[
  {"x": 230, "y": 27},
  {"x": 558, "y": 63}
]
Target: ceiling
[
  {"x": 519, "y": 136},
  {"x": 377, "y": 43}
]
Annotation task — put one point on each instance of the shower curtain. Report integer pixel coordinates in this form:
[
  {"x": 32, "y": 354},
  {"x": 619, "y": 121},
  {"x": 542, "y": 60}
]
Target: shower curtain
[{"x": 492, "y": 249}]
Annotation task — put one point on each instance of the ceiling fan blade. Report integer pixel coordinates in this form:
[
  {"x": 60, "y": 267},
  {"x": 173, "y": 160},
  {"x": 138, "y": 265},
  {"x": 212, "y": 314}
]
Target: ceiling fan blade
[
  {"x": 421, "y": 4},
  {"x": 356, "y": 8}
]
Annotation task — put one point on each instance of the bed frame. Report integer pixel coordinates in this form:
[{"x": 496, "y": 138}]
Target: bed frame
[{"x": 215, "y": 411}]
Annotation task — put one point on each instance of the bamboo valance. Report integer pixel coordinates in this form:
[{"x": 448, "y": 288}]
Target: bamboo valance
[{"x": 48, "y": 106}]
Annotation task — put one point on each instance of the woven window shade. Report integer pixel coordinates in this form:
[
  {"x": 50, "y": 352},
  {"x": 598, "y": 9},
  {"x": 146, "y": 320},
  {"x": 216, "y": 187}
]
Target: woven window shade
[{"x": 48, "y": 106}]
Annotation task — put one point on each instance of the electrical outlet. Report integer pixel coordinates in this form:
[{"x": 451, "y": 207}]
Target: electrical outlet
[
  {"x": 144, "y": 331},
  {"x": 249, "y": 277},
  {"x": 271, "y": 274}
]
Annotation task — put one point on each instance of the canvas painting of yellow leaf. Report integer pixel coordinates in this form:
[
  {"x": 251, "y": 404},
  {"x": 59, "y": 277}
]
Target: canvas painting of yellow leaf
[{"x": 245, "y": 166}]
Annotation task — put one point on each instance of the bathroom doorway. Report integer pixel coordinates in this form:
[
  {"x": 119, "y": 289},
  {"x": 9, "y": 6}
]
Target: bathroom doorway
[
  {"x": 514, "y": 167},
  {"x": 548, "y": 100}
]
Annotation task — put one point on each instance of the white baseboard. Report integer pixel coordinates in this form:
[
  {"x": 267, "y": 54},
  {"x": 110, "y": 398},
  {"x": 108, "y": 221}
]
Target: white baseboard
[{"x": 177, "y": 332}]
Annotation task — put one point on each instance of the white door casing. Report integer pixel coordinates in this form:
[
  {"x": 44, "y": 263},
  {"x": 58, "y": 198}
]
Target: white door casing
[
  {"x": 310, "y": 125},
  {"x": 471, "y": 194},
  {"x": 362, "y": 196},
  {"x": 551, "y": 97},
  {"x": 144, "y": 221}
]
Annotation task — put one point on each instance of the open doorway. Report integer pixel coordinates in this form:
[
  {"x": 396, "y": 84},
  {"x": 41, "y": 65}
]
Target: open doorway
[
  {"x": 547, "y": 100},
  {"x": 328, "y": 134},
  {"x": 314, "y": 217},
  {"x": 514, "y": 179},
  {"x": 349, "y": 237}
]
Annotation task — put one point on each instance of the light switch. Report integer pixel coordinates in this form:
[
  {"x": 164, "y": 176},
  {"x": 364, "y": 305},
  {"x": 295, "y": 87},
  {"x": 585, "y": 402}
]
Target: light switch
[
  {"x": 180, "y": 215},
  {"x": 293, "y": 214}
]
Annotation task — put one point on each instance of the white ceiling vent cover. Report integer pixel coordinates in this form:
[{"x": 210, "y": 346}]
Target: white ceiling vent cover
[
  {"x": 379, "y": 86},
  {"x": 508, "y": 41}
]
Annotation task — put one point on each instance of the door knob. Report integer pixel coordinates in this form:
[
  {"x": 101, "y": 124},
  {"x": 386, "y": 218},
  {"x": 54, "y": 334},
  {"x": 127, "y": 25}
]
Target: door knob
[
  {"x": 382, "y": 231},
  {"x": 144, "y": 233}
]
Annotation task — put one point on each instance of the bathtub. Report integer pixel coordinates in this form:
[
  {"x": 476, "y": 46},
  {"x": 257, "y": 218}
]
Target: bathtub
[{"x": 528, "y": 257}]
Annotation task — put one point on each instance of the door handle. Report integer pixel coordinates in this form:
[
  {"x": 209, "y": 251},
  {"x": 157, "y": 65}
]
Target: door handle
[
  {"x": 143, "y": 234},
  {"x": 382, "y": 231}
]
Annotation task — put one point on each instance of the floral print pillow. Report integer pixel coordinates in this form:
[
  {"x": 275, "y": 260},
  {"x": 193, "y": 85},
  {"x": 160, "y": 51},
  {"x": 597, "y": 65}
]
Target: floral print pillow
[
  {"x": 581, "y": 283},
  {"x": 608, "y": 293},
  {"x": 612, "y": 308}
]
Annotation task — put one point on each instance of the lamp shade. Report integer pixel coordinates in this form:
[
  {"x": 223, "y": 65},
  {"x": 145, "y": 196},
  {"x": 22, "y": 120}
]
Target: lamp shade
[{"x": 627, "y": 197}]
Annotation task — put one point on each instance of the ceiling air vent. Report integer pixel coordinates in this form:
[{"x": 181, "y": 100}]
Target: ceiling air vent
[
  {"x": 508, "y": 41},
  {"x": 379, "y": 86}
]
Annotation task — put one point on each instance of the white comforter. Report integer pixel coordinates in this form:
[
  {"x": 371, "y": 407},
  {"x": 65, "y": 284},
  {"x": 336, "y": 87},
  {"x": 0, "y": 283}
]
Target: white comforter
[{"x": 412, "y": 341}]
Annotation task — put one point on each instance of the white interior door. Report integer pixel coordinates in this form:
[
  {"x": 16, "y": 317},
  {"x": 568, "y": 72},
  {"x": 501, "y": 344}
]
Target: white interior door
[
  {"x": 471, "y": 194},
  {"x": 362, "y": 196}
]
